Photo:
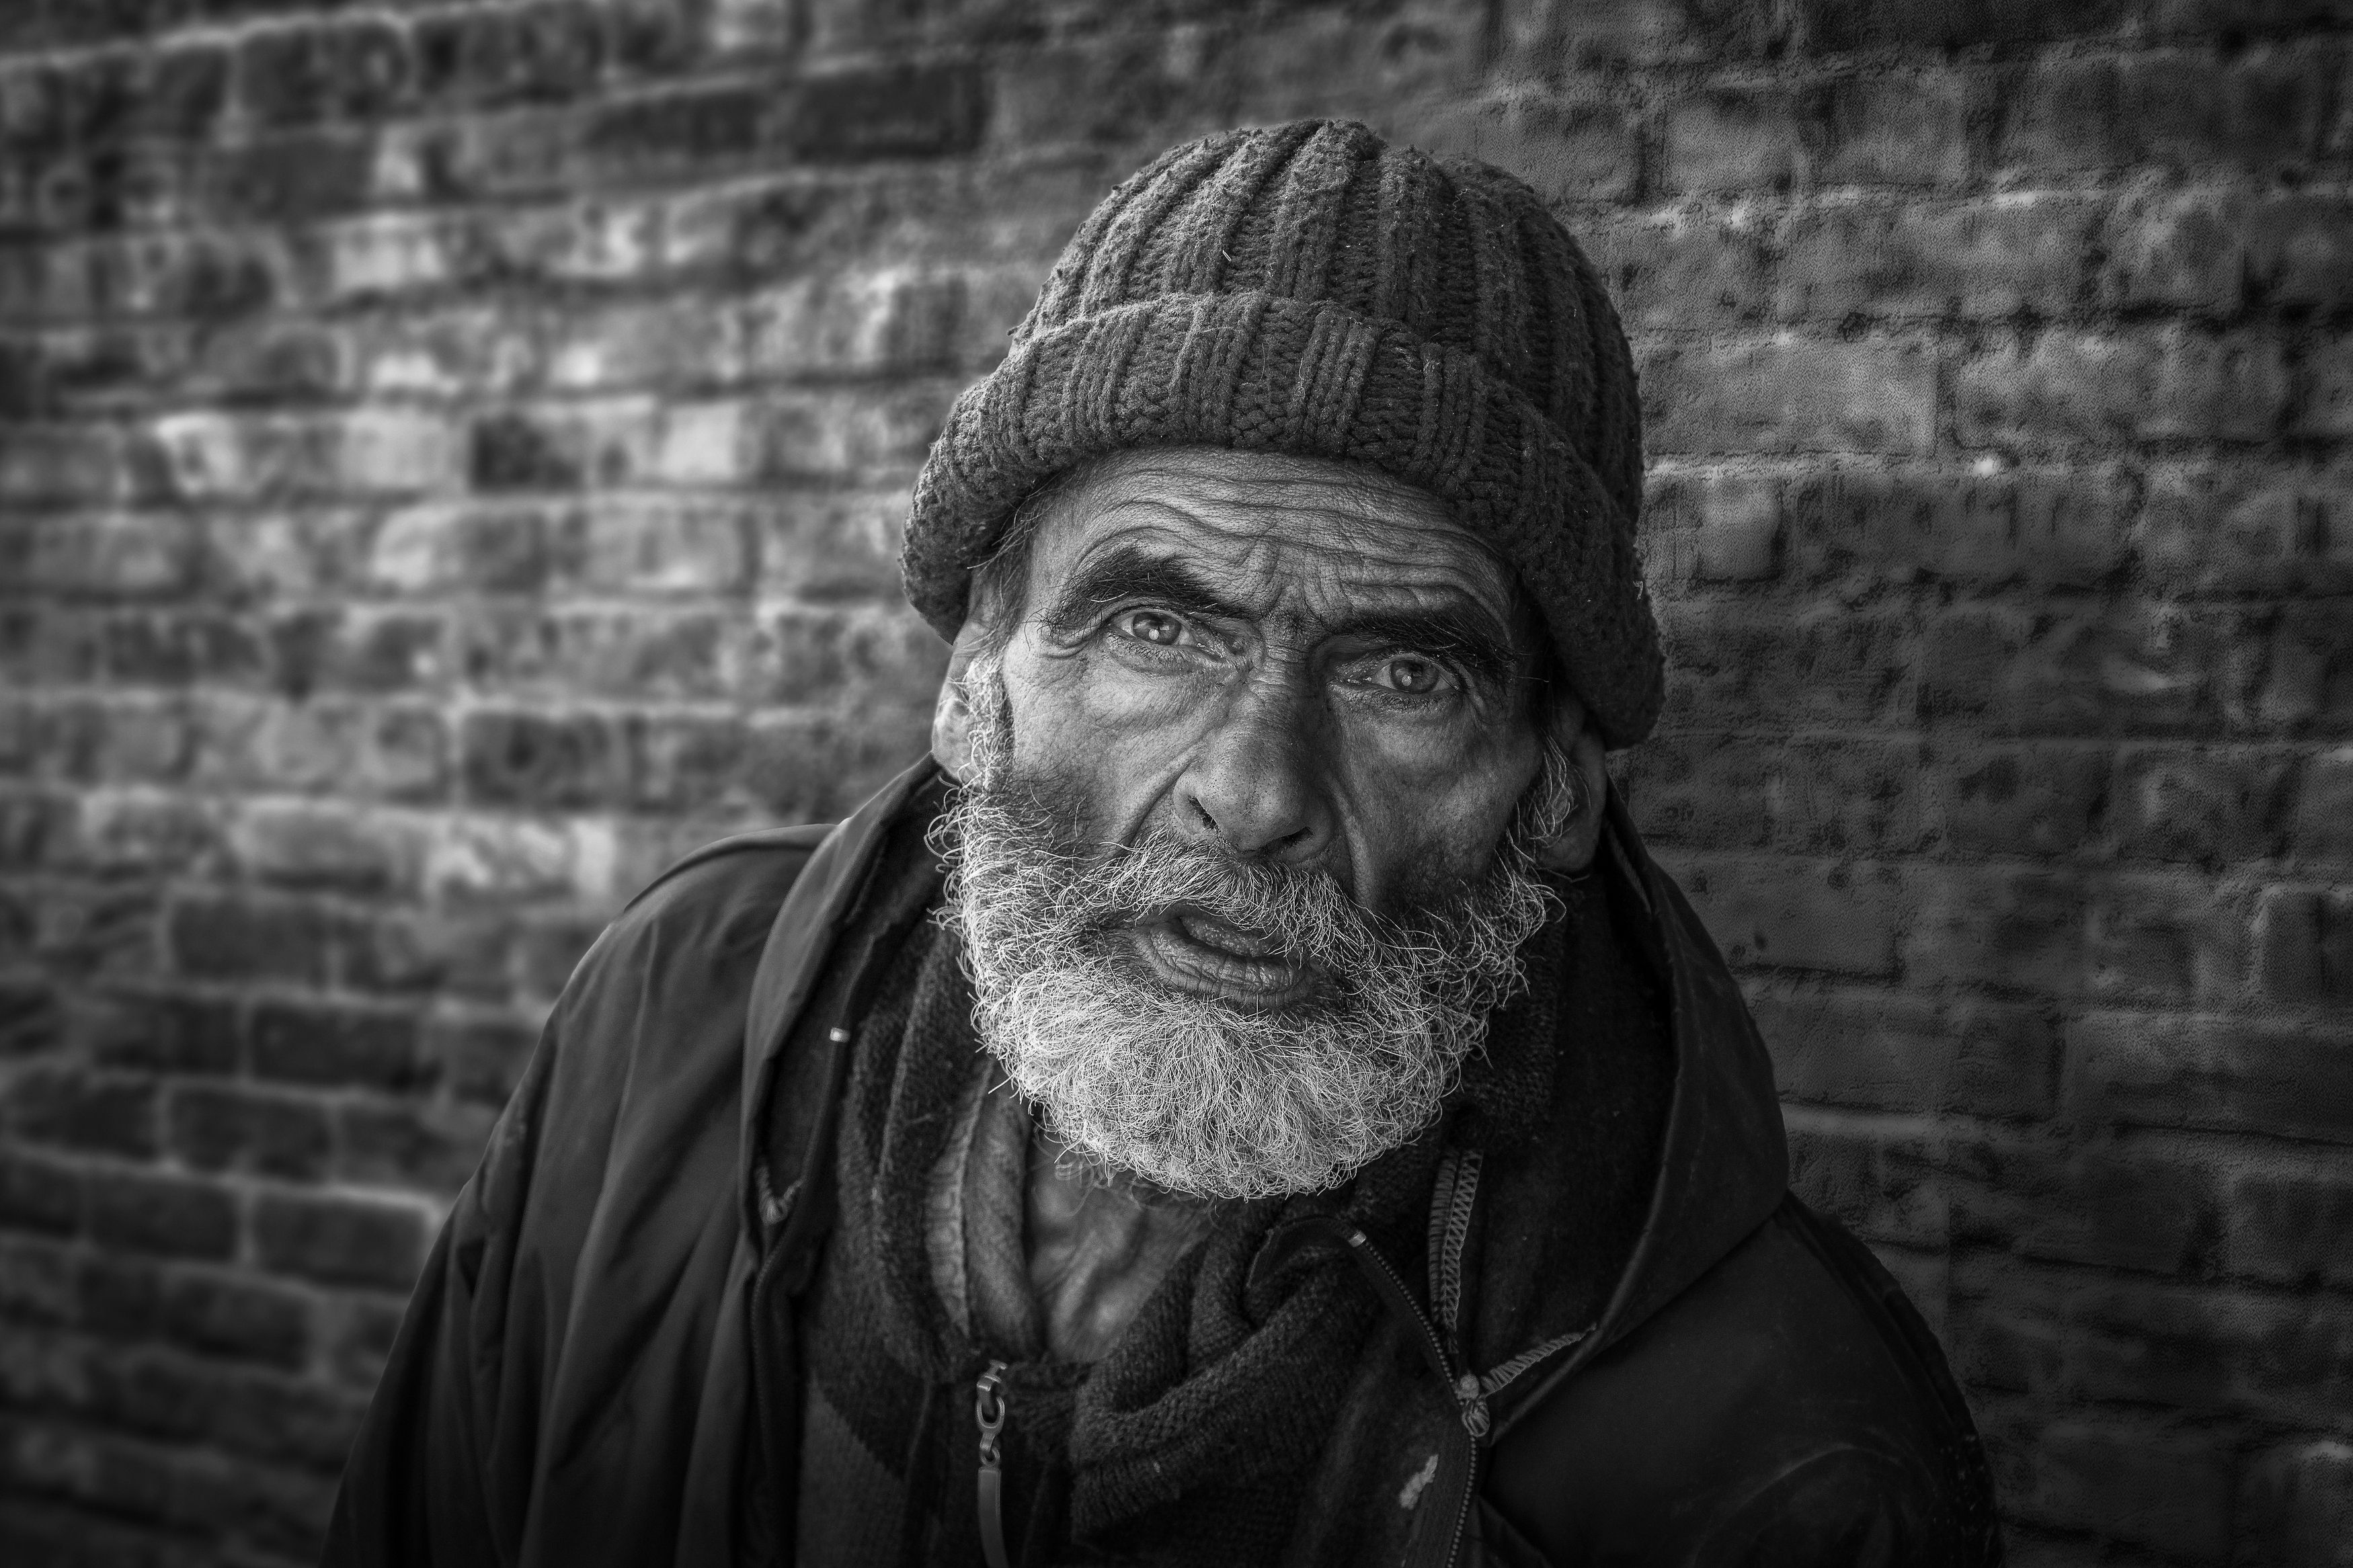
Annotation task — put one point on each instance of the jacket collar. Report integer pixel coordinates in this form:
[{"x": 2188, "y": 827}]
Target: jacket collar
[
  {"x": 800, "y": 939},
  {"x": 1724, "y": 1164}
]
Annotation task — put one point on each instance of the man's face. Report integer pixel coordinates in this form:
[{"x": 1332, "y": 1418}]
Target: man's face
[
  {"x": 1292, "y": 660},
  {"x": 1242, "y": 868}
]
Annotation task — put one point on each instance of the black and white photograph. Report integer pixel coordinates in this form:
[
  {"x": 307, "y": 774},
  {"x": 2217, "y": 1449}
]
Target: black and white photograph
[{"x": 1168, "y": 783}]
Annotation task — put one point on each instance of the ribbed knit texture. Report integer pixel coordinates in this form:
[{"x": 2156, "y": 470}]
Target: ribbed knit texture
[{"x": 1313, "y": 290}]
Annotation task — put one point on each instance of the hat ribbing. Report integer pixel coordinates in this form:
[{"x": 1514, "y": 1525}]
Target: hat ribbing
[{"x": 1311, "y": 289}]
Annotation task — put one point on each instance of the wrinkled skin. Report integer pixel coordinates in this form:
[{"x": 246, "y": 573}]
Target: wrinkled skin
[{"x": 1302, "y": 662}]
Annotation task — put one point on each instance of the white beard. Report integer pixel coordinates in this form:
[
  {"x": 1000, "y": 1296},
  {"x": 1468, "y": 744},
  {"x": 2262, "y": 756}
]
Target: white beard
[{"x": 1191, "y": 1092}]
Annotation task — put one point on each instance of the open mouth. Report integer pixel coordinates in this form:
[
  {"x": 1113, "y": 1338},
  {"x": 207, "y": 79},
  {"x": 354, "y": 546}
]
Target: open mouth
[{"x": 1194, "y": 951}]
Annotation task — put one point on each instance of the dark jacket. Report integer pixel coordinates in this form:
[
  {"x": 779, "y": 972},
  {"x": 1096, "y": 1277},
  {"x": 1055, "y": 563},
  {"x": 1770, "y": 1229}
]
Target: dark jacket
[{"x": 596, "y": 1366}]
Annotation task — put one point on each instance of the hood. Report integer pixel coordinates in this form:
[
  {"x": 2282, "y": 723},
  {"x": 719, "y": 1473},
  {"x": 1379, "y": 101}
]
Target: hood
[{"x": 1724, "y": 1164}]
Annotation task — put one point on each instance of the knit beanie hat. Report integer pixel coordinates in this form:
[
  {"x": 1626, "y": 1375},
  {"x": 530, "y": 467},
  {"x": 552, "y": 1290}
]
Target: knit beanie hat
[{"x": 1310, "y": 290}]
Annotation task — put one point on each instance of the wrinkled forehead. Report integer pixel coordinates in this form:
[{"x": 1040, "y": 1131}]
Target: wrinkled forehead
[{"x": 1272, "y": 531}]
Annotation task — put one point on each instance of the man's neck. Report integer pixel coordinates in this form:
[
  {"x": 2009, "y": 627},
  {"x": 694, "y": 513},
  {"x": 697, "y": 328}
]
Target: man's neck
[{"x": 1097, "y": 1247}]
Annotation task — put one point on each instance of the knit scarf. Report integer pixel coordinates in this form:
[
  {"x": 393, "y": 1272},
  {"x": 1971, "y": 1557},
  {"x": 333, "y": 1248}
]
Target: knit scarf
[{"x": 1223, "y": 1388}]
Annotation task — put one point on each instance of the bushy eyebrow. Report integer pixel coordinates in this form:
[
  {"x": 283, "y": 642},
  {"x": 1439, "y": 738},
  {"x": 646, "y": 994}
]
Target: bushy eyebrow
[
  {"x": 1462, "y": 633},
  {"x": 1128, "y": 573}
]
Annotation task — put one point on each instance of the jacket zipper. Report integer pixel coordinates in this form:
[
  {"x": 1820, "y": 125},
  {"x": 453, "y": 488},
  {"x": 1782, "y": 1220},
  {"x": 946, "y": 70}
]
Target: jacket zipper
[
  {"x": 1468, "y": 1397},
  {"x": 988, "y": 1413},
  {"x": 1459, "y": 1464}
]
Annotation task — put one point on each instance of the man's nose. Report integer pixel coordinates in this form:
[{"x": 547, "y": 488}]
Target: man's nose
[{"x": 1253, "y": 788}]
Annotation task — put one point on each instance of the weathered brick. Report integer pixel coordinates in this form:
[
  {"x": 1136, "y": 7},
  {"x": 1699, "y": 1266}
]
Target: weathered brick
[
  {"x": 120, "y": 832},
  {"x": 816, "y": 768},
  {"x": 2123, "y": 1204},
  {"x": 530, "y": 759},
  {"x": 402, "y": 956},
  {"x": 683, "y": 763},
  {"x": 2005, "y": 798},
  {"x": 2324, "y": 402},
  {"x": 235, "y": 938},
  {"x": 871, "y": 660},
  {"x": 2194, "y": 1349},
  {"x": 1761, "y": 667},
  {"x": 340, "y": 1241},
  {"x": 441, "y": 547},
  {"x": 38, "y": 1194},
  {"x": 155, "y": 1032},
  {"x": 1577, "y": 148},
  {"x": 2006, "y": 257},
  {"x": 1845, "y": 796},
  {"x": 2303, "y": 944},
  {"x": 2181, "y": 1069},
  {"x": 819, "y": 546},
  {"x": 301, "y": 846},
  {"x": 2127, "y": 667},
  {"x": 2057, "y": 527},
  {"x": 2177, "y": 108},
  {"x": 797, "y": 436},
  {"x": 2159, "y": 937},
  {"x": 1878, "y": 1176},
  {"x": 1734, "y": 139},
  {"x": 898, "y": 317},
  {"x": 2148, "y": 1483},
  {"x": 665, "y": 343},
  {"x": 643, "y": 652},
  {"x": 1789, "y": 394},
  {"x": 2206, "y": 808},
  {"x": 2296, "y": 1503},
  {"x": 2323, "y": 825},
  {"x": 176, "y": 1216},
  {"x": 336, "y": 1047},
  {"x": 1891, "y": 1051},
  {"x": 2007, "y": 929},
  {"x": 297, "y": 75},
  {"x": 507, "y": 860},
  {"x": 32, "y": 1020},
  {"x": 209, "y": 1312},
  {"x": 1835, "y": 24},
  {"x": 215, "y": 456},
  {"x": 434, "y": 1148},
  {"x": 2308, "y": 684},
  {"x": 2079, "y": 387},
  {"x": 492, "y": 57},
  {"x": 2247, "y": 530},
  {"x": 290, "y": 177},
  {"x": 322, "y": 745},
  {"x": 2286, "y": 1224},
  {"x": 36, "y": 1281},
  {"x": 76, "y": 1110},
  {"x": 218, "y": 1128},
  {"x": 1841, "y": 920}
]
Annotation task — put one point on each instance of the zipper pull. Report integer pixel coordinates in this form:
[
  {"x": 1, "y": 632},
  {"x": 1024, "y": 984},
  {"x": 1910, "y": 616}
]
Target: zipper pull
[
  {"x": 1471, "y": 1396},
  {"x": 988, "y": 1413}
]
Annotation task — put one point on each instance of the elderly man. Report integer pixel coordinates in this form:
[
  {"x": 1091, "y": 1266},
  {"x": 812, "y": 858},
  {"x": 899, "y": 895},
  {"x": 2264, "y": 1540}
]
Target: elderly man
[{"x": 1249, "y": 1098}]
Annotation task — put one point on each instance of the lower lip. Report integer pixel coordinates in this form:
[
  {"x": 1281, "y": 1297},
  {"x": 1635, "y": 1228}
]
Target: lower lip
[{"x": 1182, "y": 963}]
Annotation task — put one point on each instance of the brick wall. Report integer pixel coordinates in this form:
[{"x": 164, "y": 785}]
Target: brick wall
[{"x": 451, "y": 457}]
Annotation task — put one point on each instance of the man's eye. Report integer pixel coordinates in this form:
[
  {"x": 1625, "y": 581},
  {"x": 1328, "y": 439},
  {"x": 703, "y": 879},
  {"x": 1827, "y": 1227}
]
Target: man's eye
[
  {"x": 1414, "y": 676},
  {"x": 1153, "y": 626}
]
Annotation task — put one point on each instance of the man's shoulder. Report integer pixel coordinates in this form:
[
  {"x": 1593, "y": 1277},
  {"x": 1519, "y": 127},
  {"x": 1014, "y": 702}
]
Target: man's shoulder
[
  {"x": 726, "y": 893},
  {"x": 1795, "y": 1366}
]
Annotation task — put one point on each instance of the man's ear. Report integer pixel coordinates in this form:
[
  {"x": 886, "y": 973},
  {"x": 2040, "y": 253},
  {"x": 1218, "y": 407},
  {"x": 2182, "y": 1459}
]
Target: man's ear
[
  {"x": 1571, "y": 849},
  {"x": 952, "y": 714}
]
